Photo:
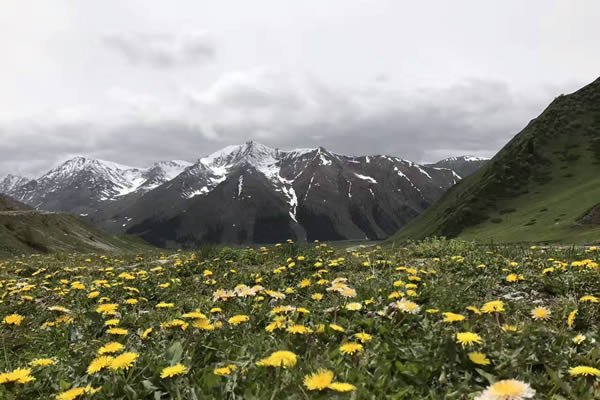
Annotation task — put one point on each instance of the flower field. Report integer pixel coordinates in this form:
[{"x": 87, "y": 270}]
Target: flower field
[{"x": 432, "y": 320}]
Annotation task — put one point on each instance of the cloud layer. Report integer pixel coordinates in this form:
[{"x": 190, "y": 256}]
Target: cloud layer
[{"x": 273, "y": 107}]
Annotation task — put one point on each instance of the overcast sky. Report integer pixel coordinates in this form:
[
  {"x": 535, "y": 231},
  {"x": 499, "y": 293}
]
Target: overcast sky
[{"x": 142, "y": 81}]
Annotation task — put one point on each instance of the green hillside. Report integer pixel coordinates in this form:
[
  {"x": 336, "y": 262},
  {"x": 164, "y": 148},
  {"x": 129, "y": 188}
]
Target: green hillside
[
  {"x": 538, "y": 188},
  {"x": 31, "y": 232}
]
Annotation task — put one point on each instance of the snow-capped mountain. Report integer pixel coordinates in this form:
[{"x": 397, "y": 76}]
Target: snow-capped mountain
[
  {"x": 81, "y": 184},
  {"x": 11, "y": 182},
  {"x": 244, "y": 193},
  {"x": 254, "y": 193},
  {"x": 462, "y": 165}
]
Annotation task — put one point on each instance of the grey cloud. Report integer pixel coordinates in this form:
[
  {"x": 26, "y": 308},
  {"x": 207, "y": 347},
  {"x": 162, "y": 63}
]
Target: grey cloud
[
  {"x": 473, "y": 117},
  {"x": 162, "y": 50}
]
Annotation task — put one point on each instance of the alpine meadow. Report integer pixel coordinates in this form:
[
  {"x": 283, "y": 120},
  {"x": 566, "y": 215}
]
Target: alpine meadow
[{"x": 300, "y": 200}]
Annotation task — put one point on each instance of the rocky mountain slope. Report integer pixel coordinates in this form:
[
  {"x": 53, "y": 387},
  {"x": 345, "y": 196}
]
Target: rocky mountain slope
[{"x": 462, "y": 165}]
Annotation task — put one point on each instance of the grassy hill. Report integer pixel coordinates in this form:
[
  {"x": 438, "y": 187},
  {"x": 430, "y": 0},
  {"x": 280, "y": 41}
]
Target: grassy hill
[
  {"x": 31, "y": 232},
  {"x": 544, "y": 185}
]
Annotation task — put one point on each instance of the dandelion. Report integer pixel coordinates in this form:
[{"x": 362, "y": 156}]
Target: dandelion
[
  {"x": 317, "y": 297},
  {"x": 299, "y": 330},
  {"x": 107, "y": 309},
  {"x": 319, "y": 380},
  {"x": 408, "y": 306},
  {"x": 571, "y": 318},
  {"x": 225, "y": 371},
  {"x": 468, "y": 338},
  {"x": 146, "y": 333},
  {"x": 165, "y": 305},
  {"x": 341, "y": 387},
  {"x": 510, "y": 389},
  {"x": 117, "y": 331},
  {"x": 174, "y": 370},
  {"x": 13, "y": 319},
  {"x": 495, "y": 306},
  {"x": 99, "y": 363},
  {"x": 351, "y": 348},
  {"x": 337, "y": 328},
  {"x": 510, "y": 328},
  {"x": 75, "y": 393},
  {"x": 540, "y": 313},
  {"x": 450, "y": 317},
  {"x": 578, "y": 339},
  {"x": 279, "y": 359},
  {"x": 479, "y": 358},
  {"x": 19, "y": 375},
  {"x": 353, "y": 306},
  {"x": 363, "y": 337},
  {"x": 238, "y": 319},
  {"x": 589, "y": 299},
  {"x": 583, "y": 370},
  {"x": 109, "y": 348},
  {"x": 124, "y": 361},
  {"x": 42, "y": 362}
]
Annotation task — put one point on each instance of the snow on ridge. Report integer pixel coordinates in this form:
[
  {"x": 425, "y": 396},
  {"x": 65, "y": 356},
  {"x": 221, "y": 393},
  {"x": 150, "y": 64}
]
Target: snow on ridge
[{"x": 365, "y": 177}]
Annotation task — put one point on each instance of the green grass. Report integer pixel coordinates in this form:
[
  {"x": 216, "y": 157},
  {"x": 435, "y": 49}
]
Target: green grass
[
  {"x": 535, "y": 189},
  {"x": 410, "y": 355},
  {"x": 42, "y": 233}
]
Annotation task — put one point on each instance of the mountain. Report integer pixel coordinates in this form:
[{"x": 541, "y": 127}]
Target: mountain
[
  {"x": 462, "y": 165},
  {"x": 254, "y": 193},
  {"x": 81, "y": 185},
  {"x": 544, "y": 185},
  {"x": 25, "y": 230},
  {"x": 11, "y": 182}
]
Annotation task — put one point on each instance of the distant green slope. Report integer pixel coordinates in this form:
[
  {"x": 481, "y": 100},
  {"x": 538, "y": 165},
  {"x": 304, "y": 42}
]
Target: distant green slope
[
  {"x": 535, "y": 189},
  {"x": 30, "y": 232}
]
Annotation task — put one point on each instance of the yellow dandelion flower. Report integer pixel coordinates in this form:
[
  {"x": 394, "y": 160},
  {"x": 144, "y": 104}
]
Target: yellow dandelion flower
[
  {"x": 578, "y": 339},
  {"x": 342, "y": 387},
  {"x": 19, "y": 375},
  {"x": 146, "y": 333},
  {"x": 77, "y": 392},
  {"x": 583, "y": 370},
  {"x": 589, "y": 299},
  {"x": 42, "y": 362},
  {"x": 510, "y": 328},
  {"x": 319, "y": 380},
  {"x": 107, "y": 309},
  {"x": 238, "y": 319},
  {"x": 363, "y": 337},
  {"x": 299, "y": 330},
  {"x": 479, "y": 358},
  {"x": 99, "y": 363},
  {"x": 468, "y": 338},
  {"x": 110, "y": 348},
  {"x": 450, "y": 317},
  {"x": 117, "y": 331},
  {"x": 279, "y": 359},
  {"x": 540, "y": 313},
  {"x": 337, "y": 328},
  {"x": 571, "y": 318},
  {"x": 174, "y": 370},
  {"x": 317, "y": 297},
  {"x": 353, "y": 306},
  {"x": 13, "y": 319},
  {"x": 123, "y": 361},
  {"x": 225, "y": 371},
  {"x": 351, "y": 348},
  {"x": 495, "y": 306}
]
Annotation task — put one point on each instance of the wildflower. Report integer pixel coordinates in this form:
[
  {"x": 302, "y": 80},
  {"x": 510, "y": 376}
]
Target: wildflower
[
  {"x": 165, "y": 305},
  {"x": 13, "y": 319},
  {"x": 279, "y": 359},
  {"x": 341, "y": 387},
  {"x": 203, "y": 324},
  {"x": 42, "y": 362},
  {"x": 319, "y": 380},
  {"x": 578, "y": 339},
  {"x": 589, "y": 299},
  {"x": 304, "y": 283},
  {"x": 19, "y": 375},
  {"x": 146, "y": 333},
  {"x": 492, "y": 307},
  {"x": 479, "y": 358},
  {"x": 351, "y": 348},
  {"x": 299, "y": 330},
  {"x": 112, "y": 322},
  {"x": 514, "y": 278},
  {"x": 124, "y": 361},
  {"x": 77, "y": 392},
  {"x": 174, "y": 370},
  {"x": 337, "y": 328},
  {"x": 117, "y": 331},
  {"x": 510, "y": 389},
  {"x": 225, "y": 371},
  {"x": 571, "y": 318},
  {"x": 450, "y": 317},
  {"x": 468, "y": 338},
  {"x": 363, "y": 337},
  {"x": 540, "y": 314},
  {"x": 473, "y": 309},
  {"x": 353, "y": 306},
  {"x": 510, "y": 328},
  {"x": 408, "y": 306},
  {"x": 107, "y": 309},
  {"x": 99, "y": 363},
  {"x": 238, "y": 319},
  {"x": 109, "y": 348},
  {"x": 583, "y": 370},
  {"x": 194, "y": 315},
  {"x": 317, "y": 297}
]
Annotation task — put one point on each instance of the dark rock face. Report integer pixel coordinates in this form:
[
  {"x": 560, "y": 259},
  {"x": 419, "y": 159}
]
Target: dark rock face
[{"x": 249, "y": 193}]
